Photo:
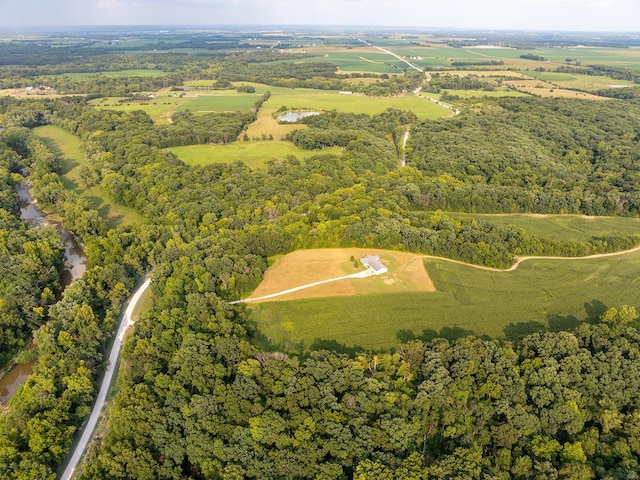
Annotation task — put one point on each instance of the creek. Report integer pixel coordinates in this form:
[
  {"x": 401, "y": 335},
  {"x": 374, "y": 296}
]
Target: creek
[{"x": 75, "y": 263}]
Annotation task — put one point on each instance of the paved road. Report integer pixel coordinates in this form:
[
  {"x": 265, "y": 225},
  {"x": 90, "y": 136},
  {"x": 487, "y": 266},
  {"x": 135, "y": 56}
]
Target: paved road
[{"x": 106, "y": 382}]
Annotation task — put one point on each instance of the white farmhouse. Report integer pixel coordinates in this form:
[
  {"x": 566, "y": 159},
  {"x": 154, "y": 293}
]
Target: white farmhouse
[{"x": 373, "y": 263}]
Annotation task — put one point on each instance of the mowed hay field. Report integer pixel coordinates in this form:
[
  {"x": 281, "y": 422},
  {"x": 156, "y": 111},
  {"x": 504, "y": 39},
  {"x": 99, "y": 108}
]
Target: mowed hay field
[
  {"x": 561, "y": 228},
  {"x": 406, "y": 274},
  {"x": 68, "y": 149},
  {"x": 539, "y": 295}
]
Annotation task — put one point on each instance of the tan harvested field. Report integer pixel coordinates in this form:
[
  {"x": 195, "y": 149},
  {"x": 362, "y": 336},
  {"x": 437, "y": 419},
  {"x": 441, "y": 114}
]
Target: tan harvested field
[
  {"x": 546, "y": 89},
  {"x": 406, "y": 274}
]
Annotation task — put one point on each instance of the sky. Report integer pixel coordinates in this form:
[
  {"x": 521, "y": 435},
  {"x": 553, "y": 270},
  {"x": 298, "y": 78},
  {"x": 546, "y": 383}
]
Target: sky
[{"x": 567, "y": 15}]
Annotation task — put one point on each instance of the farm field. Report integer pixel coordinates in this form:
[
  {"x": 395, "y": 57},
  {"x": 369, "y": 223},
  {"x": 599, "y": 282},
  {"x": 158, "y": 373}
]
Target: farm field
[
  {"x": 360, "y": 104},
  {"x": 163, "y": 105},
  {"x": 546, "y": 89},
  {"x": 265, "y": 124},
  {"x": 562, "y": 228},
  {"x": 406, "y": 273},
  {"x": 498, "y": 92},
  {"x": 67, "y": 147},
  {"x": 543, "y": 294},
  {"x": 582, "y": 82},
  {"x": 358, "y": 59},
  {"x": 254, "y": 154}
]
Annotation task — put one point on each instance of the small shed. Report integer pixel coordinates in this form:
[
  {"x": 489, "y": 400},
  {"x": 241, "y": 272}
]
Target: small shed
[{"x": 373, "y": 263}]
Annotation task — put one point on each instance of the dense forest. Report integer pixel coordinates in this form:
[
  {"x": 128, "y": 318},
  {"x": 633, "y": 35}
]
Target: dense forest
[{"x": 202, "y": 395}]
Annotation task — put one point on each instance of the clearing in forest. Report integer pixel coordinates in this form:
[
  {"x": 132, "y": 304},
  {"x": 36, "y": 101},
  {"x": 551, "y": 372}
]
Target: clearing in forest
[
  {"x": 542, "y": 294},
  {"x": 73, "y": 165},
  {"x": 545, "y": 89},
  {"x": 406, "y": 274}
]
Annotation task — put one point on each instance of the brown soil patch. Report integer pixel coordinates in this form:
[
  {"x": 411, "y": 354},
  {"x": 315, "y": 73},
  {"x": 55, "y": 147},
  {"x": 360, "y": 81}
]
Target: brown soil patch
[{"x": 406, "y": 274}]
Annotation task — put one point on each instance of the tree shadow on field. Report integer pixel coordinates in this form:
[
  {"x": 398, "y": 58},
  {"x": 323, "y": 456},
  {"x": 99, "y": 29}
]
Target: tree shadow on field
[
  {"x": 448, "y": 333},
  {"x": 337, "y": 347},
  {"x": 517, "y": 331},
  {"x": 594, "y": 309},
  {"x": 558, "y": 323}
]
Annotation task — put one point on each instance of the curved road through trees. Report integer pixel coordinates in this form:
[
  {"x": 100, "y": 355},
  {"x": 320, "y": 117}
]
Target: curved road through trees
[{"x": 126, "y": 322}]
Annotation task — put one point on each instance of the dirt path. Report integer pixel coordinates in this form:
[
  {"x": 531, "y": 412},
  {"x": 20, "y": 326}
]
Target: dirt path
[
  {"x": 363, "y": 274},
  {"x": 126, "y": 322},
  {"x": 519, "y": 260}
]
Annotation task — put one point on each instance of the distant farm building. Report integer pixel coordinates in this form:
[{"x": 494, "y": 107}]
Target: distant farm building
[{"x": 373, "y": 263}]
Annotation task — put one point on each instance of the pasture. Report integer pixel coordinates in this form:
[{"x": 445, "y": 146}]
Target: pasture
[
  {"x": 581, "y": 82},
  {"x": 254, "y": 154},
  {"x": 542, "y": 294},
  {"x": 544, "y": 89},
  {"x": 163, "y": 104},
  {"x": 358, "y": 103},
  {"x": 498, "y": 92},
  {"x": 68, "y": 149},
  {"x": 562, "y": 228}
]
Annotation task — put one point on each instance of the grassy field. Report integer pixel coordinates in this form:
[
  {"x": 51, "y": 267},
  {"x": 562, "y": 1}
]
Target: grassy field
[
  {"x": 546, "y": 89},
  {"x": 498, "y": 92},
  {"x": 219, "y": 103},
  {"x": 267, "y": 125},
  {"x": 582, "y": 82},
  {"x": 562, "y": 227},
  {"x": 357, "y": 59},
  {"x": 68, "y": 149},
  {"x": 540, "y": 294},
  {"x": 253, "y": 153},
  {"x": 361, "y": 104}
]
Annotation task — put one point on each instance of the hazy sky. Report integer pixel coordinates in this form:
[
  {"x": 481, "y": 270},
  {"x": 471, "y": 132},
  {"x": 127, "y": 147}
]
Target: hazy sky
[{"x": 592, "y": 15}]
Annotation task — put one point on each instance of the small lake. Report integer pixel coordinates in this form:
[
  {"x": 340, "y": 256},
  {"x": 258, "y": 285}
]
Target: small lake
[
  {"x": 75, "y": 263},
  {"x": 295, "y": 116}
]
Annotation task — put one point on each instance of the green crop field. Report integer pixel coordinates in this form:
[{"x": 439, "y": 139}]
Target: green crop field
[
  {"x": 562, "y": 228},
  {"x": 423, "y": 108},
  {"x": 162, "y": 106},
  {"x": 220, "y": 103},
  {"x": 253, "y": 154},
  {"x": 542, "y": 294},
  {"x": 361, "y": 59},
  {"x": 68, "y": 149}
]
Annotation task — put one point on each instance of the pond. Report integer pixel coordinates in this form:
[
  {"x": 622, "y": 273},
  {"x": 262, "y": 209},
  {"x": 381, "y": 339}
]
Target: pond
[
  {"x": 75, "y": 263},
  {"x": 295, "y": 116}
]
